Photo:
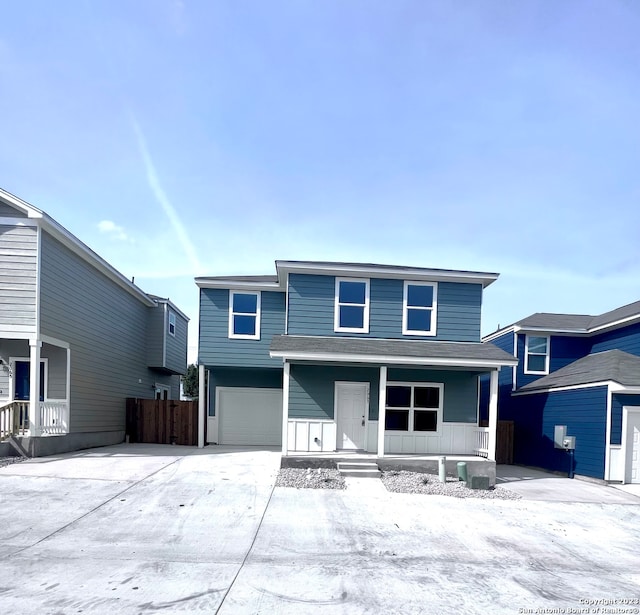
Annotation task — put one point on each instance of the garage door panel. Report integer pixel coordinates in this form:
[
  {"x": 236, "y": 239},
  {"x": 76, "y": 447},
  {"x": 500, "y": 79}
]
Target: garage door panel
[{"x": 250, "y": 416}]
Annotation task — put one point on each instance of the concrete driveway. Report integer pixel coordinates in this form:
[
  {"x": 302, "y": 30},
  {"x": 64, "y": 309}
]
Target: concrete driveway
[{"x": 147, "y": 529}]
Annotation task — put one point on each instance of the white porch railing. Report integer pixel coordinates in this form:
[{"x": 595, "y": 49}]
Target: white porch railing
[
  {"x": 482, "y": 442},
  {"x": 54, "y": 417},
  {"x": 14, "y": 419}
]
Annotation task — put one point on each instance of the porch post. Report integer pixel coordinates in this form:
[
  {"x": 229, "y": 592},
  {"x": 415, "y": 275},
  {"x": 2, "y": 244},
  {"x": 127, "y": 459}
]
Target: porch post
[
  {"x": 34, "y": 387},
  {"x": 493, "y": 414},
  {"x": 285, "y": 407},
  {"x": 201, "y": 408},
  {"x": 382, "y": 409}
]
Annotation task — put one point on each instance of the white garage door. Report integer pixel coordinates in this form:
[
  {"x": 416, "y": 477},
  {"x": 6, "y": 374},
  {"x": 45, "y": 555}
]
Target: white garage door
[{"x": 249, "y": 416}]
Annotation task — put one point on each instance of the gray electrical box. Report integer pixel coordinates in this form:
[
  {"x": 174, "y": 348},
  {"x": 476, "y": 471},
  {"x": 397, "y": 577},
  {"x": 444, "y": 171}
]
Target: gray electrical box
[
  {"x": 559, "y": 436},
  {"x": 569, "y": 442}
]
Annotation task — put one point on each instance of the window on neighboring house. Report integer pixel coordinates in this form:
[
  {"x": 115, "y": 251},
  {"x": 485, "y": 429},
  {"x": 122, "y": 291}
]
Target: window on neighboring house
[
  {"x": 536, "y": 359},
  {"x": 413, "y": 407},
  {"x": 172, "y": 323},
  {"x": 419, "y": 308},
  {"x": 351, "y": 306},
  {"x": 244, "y": 315}
]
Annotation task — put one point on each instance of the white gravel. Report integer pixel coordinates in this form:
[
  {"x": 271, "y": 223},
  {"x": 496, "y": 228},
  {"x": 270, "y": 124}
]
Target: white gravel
[
  {"x": 310, "y": 478},
  {"x": 416, "y": 482},
  {"x": 6, "y": 461}
]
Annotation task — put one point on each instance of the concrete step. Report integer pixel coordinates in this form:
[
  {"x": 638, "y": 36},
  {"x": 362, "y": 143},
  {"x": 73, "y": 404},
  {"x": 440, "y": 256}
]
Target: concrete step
[{"x": 362, "y": 469}]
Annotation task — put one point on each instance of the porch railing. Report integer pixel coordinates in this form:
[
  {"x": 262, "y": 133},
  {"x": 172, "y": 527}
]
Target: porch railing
[
  {"x": 482, "y": 442},
  {"x": 14, "y": 418},
  {"x": 54, "y": 417}
]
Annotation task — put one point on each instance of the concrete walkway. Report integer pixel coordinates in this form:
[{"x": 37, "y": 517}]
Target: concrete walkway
[
  {"x": 544, "y": 486},
  {"x": 142, "y": 529}
]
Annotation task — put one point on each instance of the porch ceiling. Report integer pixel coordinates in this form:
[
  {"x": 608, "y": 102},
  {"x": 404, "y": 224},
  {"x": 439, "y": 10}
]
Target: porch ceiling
[{"x": 389, "y": 351}]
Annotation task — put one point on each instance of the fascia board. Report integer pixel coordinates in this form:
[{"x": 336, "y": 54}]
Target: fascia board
[{"x": 385, "y": 359}]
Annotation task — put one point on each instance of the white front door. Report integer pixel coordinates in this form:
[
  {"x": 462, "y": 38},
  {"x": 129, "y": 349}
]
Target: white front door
[
  {"x": 633, "y": 448},
  {"x": 351, "y": 406}
]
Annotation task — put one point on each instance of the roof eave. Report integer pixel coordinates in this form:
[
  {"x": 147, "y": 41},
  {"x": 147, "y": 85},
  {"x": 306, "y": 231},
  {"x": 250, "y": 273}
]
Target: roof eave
[
  {"x": 238, "y": 284},
  {"x": 382, "y": 271}
]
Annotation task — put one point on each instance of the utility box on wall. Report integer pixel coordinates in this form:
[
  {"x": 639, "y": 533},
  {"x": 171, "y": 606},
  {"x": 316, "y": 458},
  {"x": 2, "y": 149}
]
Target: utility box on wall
[{"x": 559, "y": 436}]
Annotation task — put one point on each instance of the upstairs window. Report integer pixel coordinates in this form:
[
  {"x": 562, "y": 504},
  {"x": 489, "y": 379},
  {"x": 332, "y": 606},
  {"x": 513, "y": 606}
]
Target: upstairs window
[
  {"x": 172, "y": 323},
  {"x": 413, "y": 407},
  {"x": 536, "y": 357},
  {"x": 244, "y": 315},
  {"x": 351, "y": 306},
  {"x": 419, "y": 308}
]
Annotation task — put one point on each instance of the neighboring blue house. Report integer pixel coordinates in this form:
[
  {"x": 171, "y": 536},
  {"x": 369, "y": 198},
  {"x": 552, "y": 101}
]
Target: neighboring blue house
[
  {"x": 318, "y": 356},
  {"x": 580, "y": 371},
  {"x": 76, "y": 339}
]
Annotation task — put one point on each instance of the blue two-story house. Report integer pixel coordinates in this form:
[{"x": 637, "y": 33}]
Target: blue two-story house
[
  {"x": 582, "y": 372},
  {"x": 330, "y": 356}
]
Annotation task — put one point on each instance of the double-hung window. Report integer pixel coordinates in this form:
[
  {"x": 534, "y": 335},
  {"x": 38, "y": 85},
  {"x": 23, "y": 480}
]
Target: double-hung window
[
  {"x": 351, "y": 306},
  {"x": 244, "y": 315},
  {"x": 419, "y": 308},
  {"x": 536, "y": 356},
  {"x": 172, "y": 323},
  {"x": 414, "y": 407}
]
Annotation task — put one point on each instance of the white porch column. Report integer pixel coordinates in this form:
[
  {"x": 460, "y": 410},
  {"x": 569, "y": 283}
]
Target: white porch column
[
  {"x": 493, "y": 414},
  {"x": 201, "y": 405},
  {"x": 382, "y": 409},
  {"x": 285, "y": 407},
  {"x": 34, "y": 387}
]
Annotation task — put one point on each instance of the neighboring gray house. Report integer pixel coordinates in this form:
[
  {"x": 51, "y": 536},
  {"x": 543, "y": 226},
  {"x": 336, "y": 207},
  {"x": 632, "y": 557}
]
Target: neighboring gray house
[{"x": 76, "y": 338}]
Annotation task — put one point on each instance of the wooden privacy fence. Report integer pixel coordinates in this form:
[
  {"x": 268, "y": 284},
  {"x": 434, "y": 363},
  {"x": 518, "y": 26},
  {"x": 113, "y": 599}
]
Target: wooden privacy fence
[
  {"x": 504, "y": 442},
  {"x": 162, "y": 421}
]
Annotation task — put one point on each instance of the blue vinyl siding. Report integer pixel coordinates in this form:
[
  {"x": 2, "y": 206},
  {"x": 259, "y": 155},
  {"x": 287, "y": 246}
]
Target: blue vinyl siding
[
  {"x": 241, "y": 377},
  {"x": 626, "y": 339},
  {"x": 215, "y": 347},
  {"x": 460, "y": 390},
  {"x": 312, "y": 301},
  {"x": 563, "y": 350},
  {"x": 618, "y": 401},
  {"x": 505, "y": 382},
  {"x": 311, "y": 389},
  {"x": 583, "y": 411}
]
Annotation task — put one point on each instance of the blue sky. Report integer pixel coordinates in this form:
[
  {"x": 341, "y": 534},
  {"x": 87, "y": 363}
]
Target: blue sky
[{"x": 181, "y": 138}]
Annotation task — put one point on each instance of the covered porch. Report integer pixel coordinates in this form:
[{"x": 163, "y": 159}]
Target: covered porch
[
  {"x": 386, "y": 398},
  {"x": 34, "y": 387}
]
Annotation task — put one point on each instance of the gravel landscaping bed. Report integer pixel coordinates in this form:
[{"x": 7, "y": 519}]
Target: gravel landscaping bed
[
  {"x": 6, "y": 461},
  {"x": 310, "y": 478},
  {"x": 416, "y": 482}
]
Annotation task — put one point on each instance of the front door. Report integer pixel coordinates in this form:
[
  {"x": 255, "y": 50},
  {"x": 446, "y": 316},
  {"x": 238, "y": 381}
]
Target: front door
[
  {"x": 21, "y": 379},
  {"x": 351, "y": 406},
  {"x": 633, "y": 448}
]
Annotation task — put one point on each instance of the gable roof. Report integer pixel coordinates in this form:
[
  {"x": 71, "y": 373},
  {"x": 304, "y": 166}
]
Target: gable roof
[
  {"x": 578, "y": 324},
  {"x": 337, "y": 268},
  {"x": 610, "y": 365},
  {"x": 396, "y": 351},
  {"x": 56, "y": 230}
]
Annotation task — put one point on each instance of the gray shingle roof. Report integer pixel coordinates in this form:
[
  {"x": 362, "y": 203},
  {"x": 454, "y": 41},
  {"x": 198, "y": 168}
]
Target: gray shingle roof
[
  {"x": 556, "y": 321},
  {"x": 581, "y": 323},
  {"x": 283, "y": 345},
  {"x": 616, "y": 365}
]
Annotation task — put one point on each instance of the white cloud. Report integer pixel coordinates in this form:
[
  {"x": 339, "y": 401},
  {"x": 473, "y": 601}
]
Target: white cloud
[{"x": 113, "y": 230}]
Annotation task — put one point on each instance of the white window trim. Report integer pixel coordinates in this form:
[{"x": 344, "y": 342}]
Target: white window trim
[
  {"x": 440, "y": 409},
  {"x": 433, "y": 309},
  {"x": 537, "y": 354},
  {"x": 336, "y": 311},
  {"x": 233, "y": 335},
  {"x": 172, "y": 323}
]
